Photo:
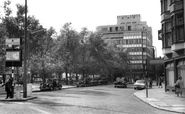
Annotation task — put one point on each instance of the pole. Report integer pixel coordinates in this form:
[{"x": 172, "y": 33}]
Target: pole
[
  {"x": 146, "y": 68},
  {"x": 25, "y": 54},
  {"x": 144, "y": 65},
  {"x": 142, "y": 53}
]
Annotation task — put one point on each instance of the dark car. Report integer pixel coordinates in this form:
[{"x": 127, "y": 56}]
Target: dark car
[
  {"x": 140, "y": 84},
  {"x": 120, "y": 84},
  {"x": 103, "y": 81},
  {"x": 84, "y": 82},
  {"x": 95, "y": 81},
  {"x": 80, "y": 83},
  {"x": 51, "y": 84}
]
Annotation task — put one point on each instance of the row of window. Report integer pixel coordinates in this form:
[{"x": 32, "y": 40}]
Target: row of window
[
  {"x": 138, "y": 57},
  {"x": 138, "y": 61},
  {"x": 165, "y": 4},
  {"x": 115, "y": 29},
  {"x": 129, "y": 41},
  {"x": 136, "y": 66},
  {"x": 173, "y": 30}
]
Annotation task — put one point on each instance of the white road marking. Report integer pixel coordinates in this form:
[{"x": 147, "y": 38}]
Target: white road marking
[{"x": 39, "y": 110}]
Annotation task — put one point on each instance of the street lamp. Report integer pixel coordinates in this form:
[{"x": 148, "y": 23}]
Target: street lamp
[
  {"x": 25, "y": 54},
  {"x": 145, "y": 62}
]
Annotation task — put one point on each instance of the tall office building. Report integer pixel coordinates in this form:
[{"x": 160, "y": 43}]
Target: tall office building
[
  {"x": 136, "y": 36},
  {"x": 173, "y": 41}
]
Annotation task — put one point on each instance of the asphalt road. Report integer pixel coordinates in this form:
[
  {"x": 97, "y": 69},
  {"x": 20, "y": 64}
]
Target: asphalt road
[{"x": 84, "y": 100}]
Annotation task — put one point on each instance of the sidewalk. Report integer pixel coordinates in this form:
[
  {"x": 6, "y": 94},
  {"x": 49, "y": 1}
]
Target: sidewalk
[
  {"x": 158, "y": 98},
  {"x": 35, "y": 88}
]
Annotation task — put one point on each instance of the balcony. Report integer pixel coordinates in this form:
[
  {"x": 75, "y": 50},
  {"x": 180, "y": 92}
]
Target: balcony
[
  {"x": 165, "y": 16},
  {"x": 178, "y": 46},
  {"x": 176, "y": 7}
]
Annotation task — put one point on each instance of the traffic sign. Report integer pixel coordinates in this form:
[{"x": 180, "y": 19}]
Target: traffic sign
[
  {"x": 13, "y": 56},
  {"x": 13, "y": 41}
]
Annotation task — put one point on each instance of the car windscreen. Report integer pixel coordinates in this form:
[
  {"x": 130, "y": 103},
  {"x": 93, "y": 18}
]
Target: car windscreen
[{"x": 140, "y": 81}]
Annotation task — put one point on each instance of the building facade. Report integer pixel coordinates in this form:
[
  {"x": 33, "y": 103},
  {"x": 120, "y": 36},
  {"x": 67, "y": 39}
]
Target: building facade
[
  {"x": 173, "y": 41},
  {"x": 136, "y": 37}
]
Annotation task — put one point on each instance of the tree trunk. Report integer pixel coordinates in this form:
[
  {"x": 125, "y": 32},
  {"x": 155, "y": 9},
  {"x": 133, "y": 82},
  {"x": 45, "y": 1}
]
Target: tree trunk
[
  {"x": 76, "y": 77},
  {"x": 66, "y": 71}
]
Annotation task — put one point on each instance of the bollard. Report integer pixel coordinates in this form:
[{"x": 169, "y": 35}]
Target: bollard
[
  {"x": 29, "y": 89},
  {"x": 17, "y": 91}
]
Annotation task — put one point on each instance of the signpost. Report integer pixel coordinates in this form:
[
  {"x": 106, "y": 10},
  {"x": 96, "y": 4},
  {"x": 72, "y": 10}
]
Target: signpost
[
  {"x": 13, "y": 55},
  {"x": 13, "y": 41}
]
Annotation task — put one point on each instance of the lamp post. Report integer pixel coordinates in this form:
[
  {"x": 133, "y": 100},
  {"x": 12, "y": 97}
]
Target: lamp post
[
  {"x": 145, "y": 62},
  {"x": 25, "y": 54}
]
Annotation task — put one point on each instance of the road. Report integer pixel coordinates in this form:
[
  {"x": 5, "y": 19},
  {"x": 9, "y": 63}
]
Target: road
[{"x": 84, "y": 100}]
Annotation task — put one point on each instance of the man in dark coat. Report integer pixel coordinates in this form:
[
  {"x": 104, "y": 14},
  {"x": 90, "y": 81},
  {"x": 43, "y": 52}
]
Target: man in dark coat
[{"x": 8, "y": 87}]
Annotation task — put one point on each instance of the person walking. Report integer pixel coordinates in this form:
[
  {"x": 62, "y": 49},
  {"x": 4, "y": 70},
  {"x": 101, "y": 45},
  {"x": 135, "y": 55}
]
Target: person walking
[
  {"x": 178, "y": 86},
  {"x": 8, "y": 87},
  {"x": 160, "y": 83}
]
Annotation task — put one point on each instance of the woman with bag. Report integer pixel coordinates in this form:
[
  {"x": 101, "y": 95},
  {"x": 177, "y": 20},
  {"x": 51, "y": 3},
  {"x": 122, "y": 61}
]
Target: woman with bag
[{"x": 178, "y": 86}]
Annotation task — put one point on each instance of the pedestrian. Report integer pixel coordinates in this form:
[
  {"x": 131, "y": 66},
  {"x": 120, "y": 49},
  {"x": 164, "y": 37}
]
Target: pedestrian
[
  {"x": 178, "y": 86},
  {"x": 160, "y": 83},
  {"x": 150, "y": 82},
  {"x": 8, "y": 87}
]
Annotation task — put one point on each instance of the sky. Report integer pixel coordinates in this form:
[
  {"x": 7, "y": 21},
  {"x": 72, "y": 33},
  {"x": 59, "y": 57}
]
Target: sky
[{"x": 93, "y": 13}]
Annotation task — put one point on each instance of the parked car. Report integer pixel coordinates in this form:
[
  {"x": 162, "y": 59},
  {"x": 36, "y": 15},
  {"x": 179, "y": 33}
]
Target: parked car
[
  {"x": 84, "y": 82},
  {"x": 95, "y": 81},
  {"x": 120, "y": 82},
  {"x": 103, "y": 81},
  {"x": 80, "y": 83},
  {"x": 51, "y": 84},
  {"x": 140, "y": 84}
]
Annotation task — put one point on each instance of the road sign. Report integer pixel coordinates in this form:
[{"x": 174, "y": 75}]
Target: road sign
[
  {"x": 13, "y": 56},
  {"x": 13, "y": 41}
]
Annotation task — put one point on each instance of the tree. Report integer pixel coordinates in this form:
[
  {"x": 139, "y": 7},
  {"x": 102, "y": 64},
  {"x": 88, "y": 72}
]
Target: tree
[
  {"x": 67, "y": 46},
  {"x": 42, "y": 61}
]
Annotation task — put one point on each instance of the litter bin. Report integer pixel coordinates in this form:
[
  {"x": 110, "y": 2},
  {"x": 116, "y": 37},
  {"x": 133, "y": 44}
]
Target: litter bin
[
  {"x": 29, "y": 89},
  {"x": 17, "y": 91}
]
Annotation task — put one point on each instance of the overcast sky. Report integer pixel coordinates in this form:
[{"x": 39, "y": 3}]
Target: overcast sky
[{"x": 93, "y": 13}]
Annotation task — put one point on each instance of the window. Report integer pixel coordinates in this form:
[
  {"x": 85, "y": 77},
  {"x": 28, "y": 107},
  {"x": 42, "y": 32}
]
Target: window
[
  {"x": 179, "y": 19},
  {"x": 126, "y": 41},
  {"x": 104, "y": 29},
  {"x": 116, "y": 28},
  {"x": 172, "y": 20},
  {"x": 180, "y": 33},
  {"x": 167, "y": 27},
  {"x": 162, "y": 6},
  {"x": 110, "y": 29},
  {"x": 129, "y": 28},
  {"x": 168, "y": 40},
  {"x": 122, "y": 28}
]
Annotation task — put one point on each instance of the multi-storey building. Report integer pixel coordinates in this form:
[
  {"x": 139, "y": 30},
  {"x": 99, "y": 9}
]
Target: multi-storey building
[
  {"x": 173, "y": 41},
  {"x": 136, "y": 36}
]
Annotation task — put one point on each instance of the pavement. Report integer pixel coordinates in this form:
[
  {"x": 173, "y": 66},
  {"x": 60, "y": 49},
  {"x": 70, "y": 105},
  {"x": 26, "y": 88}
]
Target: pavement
[
  {"x": 35, "y": 88},
  {"x": 157, "y": 97}
]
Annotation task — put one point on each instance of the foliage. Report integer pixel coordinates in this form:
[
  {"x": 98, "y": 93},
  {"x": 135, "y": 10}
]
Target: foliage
[{"x": 70, "y": 51}]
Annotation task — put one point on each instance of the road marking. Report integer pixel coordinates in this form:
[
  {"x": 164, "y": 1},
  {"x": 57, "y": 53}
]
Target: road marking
[{"x": 39, "y": 110}]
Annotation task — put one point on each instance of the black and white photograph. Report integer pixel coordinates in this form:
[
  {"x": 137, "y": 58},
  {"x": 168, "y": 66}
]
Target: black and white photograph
[{"x": 92, "y": 57}]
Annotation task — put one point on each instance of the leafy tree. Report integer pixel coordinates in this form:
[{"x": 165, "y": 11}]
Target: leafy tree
[
  {"x": 42, "y": 61},
  {"x": 67, "y": 46}
]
